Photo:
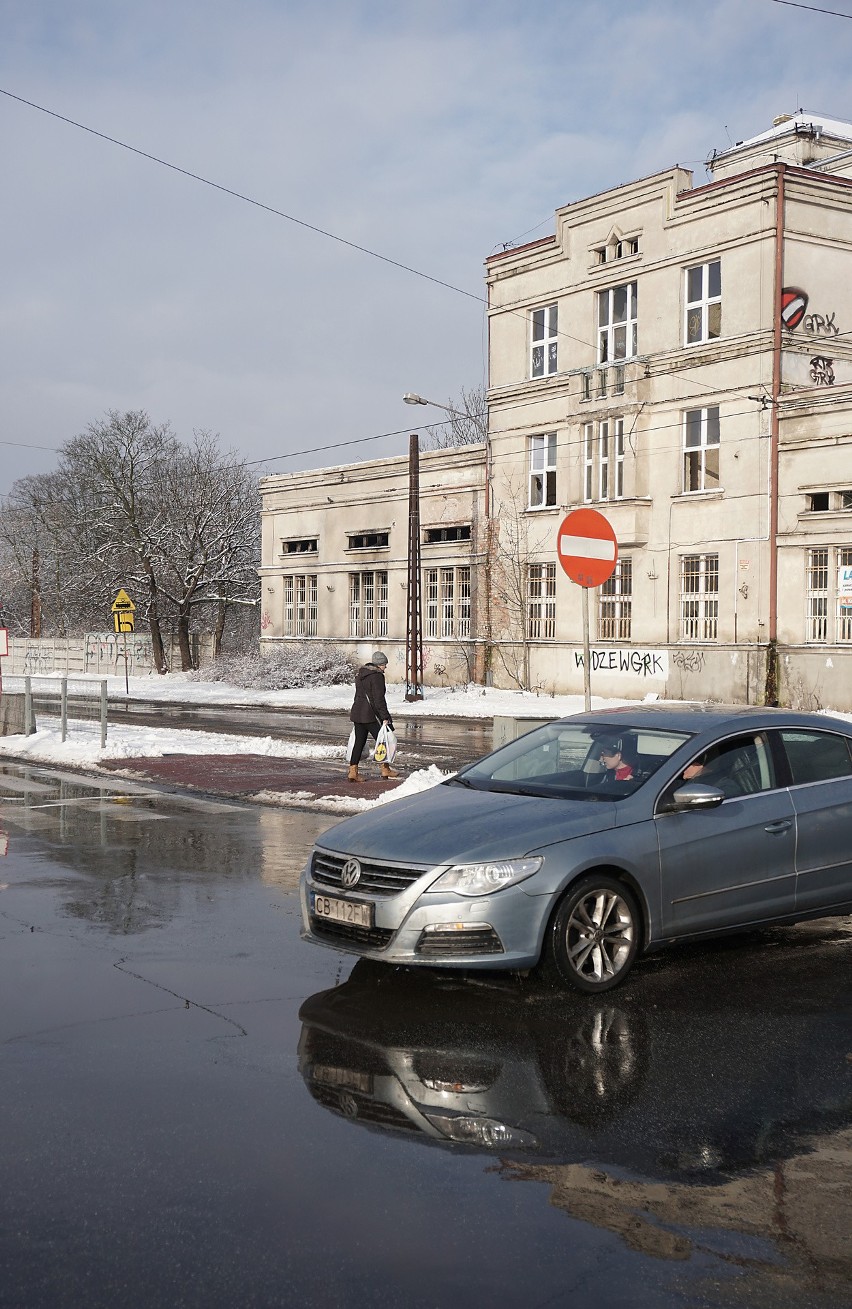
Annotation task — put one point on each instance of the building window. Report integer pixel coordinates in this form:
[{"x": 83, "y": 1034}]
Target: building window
[
  {"x": 300, "y": 605},
  {"x": 304, "y": 547},
  {"x": 818, "y": 502},
  {"x": 543, "y": 341},
  {"x": 603, "y": 460},
  {"x": 368, "y": 604},
  {"x": 703, "y": 302},
  {"x": 369, "y": 540},
  {"x": 447, "y": 603},
  {"x": 701, "y": 449},
  {"x": 615, "y": 603},
  {"x": 699, "y": 597},
  {"x": 543, "y": 471},
  {"x": 437, "y": 535},
  {"x": 616, "y": 249},
  {"x": 824, "y": 598},
  {"x": 541, "y": 602},
  {"x": 617, "y": 323}
]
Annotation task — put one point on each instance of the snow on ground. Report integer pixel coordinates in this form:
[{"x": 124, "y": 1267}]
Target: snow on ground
[{"x": 456, "y": 701}]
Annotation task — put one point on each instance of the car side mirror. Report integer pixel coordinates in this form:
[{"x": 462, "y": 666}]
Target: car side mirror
[{"x": 695, "y": 795}]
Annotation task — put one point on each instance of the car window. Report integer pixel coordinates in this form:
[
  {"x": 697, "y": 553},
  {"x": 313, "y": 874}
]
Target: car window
[
  {"x": 816, "y": 756},
  {"x": 574, "y": 760},
  {"x": 740, "y": 766}
]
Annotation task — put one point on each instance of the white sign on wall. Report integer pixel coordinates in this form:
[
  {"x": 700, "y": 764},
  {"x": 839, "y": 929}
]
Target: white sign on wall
[{"x": 844, "y": 586}]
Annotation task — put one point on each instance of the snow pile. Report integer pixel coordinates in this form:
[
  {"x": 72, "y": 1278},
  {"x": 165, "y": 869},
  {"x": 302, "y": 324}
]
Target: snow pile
[{"x": 293, "y": 666}]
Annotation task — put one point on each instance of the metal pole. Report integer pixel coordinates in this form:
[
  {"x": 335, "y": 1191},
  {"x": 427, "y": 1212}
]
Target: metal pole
[
  {"x": 63, "y": 706},
  {"x": 126, "y": 679},
  {"x": 414, "y": 624},
  {"x": 28, "y": 706},
  {"x": 587, "y": 672},
  {"x": 103, "y": 713}
]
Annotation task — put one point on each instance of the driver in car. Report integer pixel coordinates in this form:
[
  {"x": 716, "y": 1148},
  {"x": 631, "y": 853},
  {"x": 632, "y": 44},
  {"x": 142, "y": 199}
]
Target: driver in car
[{"x": 610, "y": 753}]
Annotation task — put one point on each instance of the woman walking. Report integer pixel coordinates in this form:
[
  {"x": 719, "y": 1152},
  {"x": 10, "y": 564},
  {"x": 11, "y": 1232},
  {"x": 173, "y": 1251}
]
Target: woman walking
[{"x": 369, "y": 711}]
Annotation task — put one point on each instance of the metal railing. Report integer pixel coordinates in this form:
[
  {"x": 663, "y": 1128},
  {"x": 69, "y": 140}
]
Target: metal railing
[{"x": 71, "y": 700}]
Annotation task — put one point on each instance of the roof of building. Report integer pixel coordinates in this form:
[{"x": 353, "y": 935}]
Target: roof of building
[{"x": 803, "y": 119}]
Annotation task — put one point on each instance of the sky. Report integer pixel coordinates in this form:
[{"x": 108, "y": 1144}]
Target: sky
[{"x": 432, "y": 135}]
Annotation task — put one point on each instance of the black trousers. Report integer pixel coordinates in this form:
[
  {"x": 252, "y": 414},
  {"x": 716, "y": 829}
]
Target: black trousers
[{"x": 362, "y": 731}]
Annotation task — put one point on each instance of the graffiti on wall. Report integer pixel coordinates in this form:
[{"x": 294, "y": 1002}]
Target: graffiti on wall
[
  {"x": 105, "y": 652},
  {"x": 632, "y": 663},
  {"x": 822, "y": 370},
  {"x": 794, "y": 306}
]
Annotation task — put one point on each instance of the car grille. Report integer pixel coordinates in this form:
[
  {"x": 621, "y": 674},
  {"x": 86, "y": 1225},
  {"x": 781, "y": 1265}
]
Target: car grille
[
  {"x": 376, "y": 878},
  {"x": 472, "y": 940},
  {"x": 352, "y": 1105},
  {"x": 376, "y": 938}
]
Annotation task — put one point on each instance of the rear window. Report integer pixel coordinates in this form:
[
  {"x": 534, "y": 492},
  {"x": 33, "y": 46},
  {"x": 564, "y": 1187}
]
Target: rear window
[{"x": 816, "y": 756}]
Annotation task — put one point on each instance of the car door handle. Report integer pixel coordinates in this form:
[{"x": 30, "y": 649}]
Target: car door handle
[{"x": 783, "y": 825}]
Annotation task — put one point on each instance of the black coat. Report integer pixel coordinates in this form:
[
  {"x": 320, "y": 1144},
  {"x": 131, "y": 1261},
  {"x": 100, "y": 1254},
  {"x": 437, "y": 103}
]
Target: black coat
[{"x": 369, "y": 704}]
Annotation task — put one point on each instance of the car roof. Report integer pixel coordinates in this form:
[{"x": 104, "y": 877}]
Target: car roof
[{"x": 684, "y": 716}]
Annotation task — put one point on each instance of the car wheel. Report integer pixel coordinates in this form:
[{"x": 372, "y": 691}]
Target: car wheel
[{"x": 594, "y": 935}]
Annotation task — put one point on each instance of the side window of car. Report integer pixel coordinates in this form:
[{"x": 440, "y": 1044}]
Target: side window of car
[
  {"x": 739, "y": 766},
  {"x": 816, "y": 756}
]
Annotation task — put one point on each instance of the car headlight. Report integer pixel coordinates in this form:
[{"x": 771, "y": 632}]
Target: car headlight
[{"x": 483, "y": 879}]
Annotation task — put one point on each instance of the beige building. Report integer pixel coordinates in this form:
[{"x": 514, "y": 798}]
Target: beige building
[
  {"x": 335, "y": 560},
  {"x": 678, "y": 357}
]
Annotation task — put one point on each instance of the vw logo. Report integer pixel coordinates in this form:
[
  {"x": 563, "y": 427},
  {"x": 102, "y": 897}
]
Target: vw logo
[{"x": 351, "y": 874}]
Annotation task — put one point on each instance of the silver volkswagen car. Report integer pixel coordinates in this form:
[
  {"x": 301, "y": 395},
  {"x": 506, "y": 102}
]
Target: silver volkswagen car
[{"x": 596, "y": 838}]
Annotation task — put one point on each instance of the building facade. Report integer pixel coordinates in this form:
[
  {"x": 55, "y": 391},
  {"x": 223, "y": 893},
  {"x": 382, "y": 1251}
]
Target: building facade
[
  {"x": 335, "y": 560},
  {"x": 676, "y": 356}
]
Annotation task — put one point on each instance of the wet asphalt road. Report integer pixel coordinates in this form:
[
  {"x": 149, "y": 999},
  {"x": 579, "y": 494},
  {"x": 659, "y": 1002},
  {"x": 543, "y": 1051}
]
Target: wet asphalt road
[{"x": 199, "y": 1109}]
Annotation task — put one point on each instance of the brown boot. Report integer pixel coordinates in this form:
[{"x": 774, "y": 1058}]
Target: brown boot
[
  {"x": 387, "y": 771},
  {"x": 353, "y": 774}
]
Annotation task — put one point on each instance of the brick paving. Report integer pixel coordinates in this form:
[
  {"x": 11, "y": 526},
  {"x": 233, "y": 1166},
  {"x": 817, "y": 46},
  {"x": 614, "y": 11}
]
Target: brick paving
[{"x": 247, "y": 774}]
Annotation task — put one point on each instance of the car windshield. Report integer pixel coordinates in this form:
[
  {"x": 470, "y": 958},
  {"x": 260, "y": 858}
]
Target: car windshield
[{"x": 577, "y": 761}]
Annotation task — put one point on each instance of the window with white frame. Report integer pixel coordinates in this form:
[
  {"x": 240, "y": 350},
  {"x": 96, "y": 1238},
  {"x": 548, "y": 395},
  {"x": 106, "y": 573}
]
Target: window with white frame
[
  {"x": 368, "y": 604},
  {"x": 699, "y": 597},
  {"x": 703, "y": 309},
  {"x": 300, "y": 605},
  {"x": 701, "y": 449},
  {"x": 615, "y": 603},
  {"x": 447, "y": 593},
  {"x": 543, "y": 341},
  {"x": 617, "y": 323},
  {"x": 828, "y": 617},
  {"x": 541, "y": 602},
  {"x": 603, "y": 460},
  {"x": 542, "y": 471}
]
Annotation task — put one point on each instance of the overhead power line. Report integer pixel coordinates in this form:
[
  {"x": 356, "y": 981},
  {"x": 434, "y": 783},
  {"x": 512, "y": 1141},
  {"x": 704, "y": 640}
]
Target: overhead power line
[{"x": 815, "y": 9}]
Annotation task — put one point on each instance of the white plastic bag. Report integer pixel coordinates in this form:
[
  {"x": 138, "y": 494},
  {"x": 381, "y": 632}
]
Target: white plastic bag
[
  {"x": 350, "y": 746},
  {"x": 384, "y": 751}
]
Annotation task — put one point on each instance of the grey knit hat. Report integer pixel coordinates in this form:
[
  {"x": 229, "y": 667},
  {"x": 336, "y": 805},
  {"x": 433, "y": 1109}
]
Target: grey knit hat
[{"x": 379, "y": 658}]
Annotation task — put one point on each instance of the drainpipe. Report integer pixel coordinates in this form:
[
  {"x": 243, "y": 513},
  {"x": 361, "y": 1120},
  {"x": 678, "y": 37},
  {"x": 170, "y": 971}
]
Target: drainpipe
[{"x": 771, "y": 688}]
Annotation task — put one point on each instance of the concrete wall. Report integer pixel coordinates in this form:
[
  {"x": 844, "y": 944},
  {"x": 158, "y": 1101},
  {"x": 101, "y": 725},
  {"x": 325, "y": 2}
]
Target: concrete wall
[{"x": 96, "y": 652}]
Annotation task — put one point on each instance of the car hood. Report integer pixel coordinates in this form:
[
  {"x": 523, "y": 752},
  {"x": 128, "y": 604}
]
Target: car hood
[{"x": 450, "y": 824}]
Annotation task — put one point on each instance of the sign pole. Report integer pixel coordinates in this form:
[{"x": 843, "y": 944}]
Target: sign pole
[
  {"x": 587, "y": 671},
  {"x": 126, "y": 678},
  {"x": 587, "y": 549}
]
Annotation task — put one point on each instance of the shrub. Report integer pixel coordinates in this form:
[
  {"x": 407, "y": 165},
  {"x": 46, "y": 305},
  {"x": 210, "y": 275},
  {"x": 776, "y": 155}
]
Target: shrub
[{"x": 302, "y": 664}]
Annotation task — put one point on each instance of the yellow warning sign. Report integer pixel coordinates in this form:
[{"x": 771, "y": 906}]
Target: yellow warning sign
[
  {"x": 122, "y": 603},
  {"x": 123, "y": 622}
]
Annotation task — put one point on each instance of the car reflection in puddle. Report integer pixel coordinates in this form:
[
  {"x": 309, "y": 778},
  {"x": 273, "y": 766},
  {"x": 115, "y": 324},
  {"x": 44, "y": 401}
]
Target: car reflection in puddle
[{"x": 671, "y": 1083}]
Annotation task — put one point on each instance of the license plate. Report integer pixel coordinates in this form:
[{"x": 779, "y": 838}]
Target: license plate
[
  {"x": 347, "y": 1078},
  {"x": 342, "y": 911}
]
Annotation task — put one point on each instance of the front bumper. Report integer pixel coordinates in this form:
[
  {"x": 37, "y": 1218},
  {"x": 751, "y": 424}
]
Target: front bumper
[{"x": 504, "y": 930}]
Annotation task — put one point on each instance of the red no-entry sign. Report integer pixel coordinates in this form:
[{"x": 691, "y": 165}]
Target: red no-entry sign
[{"x": 587, "y": 548}]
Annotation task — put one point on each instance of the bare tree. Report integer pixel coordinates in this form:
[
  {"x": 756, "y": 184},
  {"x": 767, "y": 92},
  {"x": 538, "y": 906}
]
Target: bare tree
[
  {"x": 131, "y": 506},
  {"x": 467, "y": 423},
  {"x": 513, "y": 543}
]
